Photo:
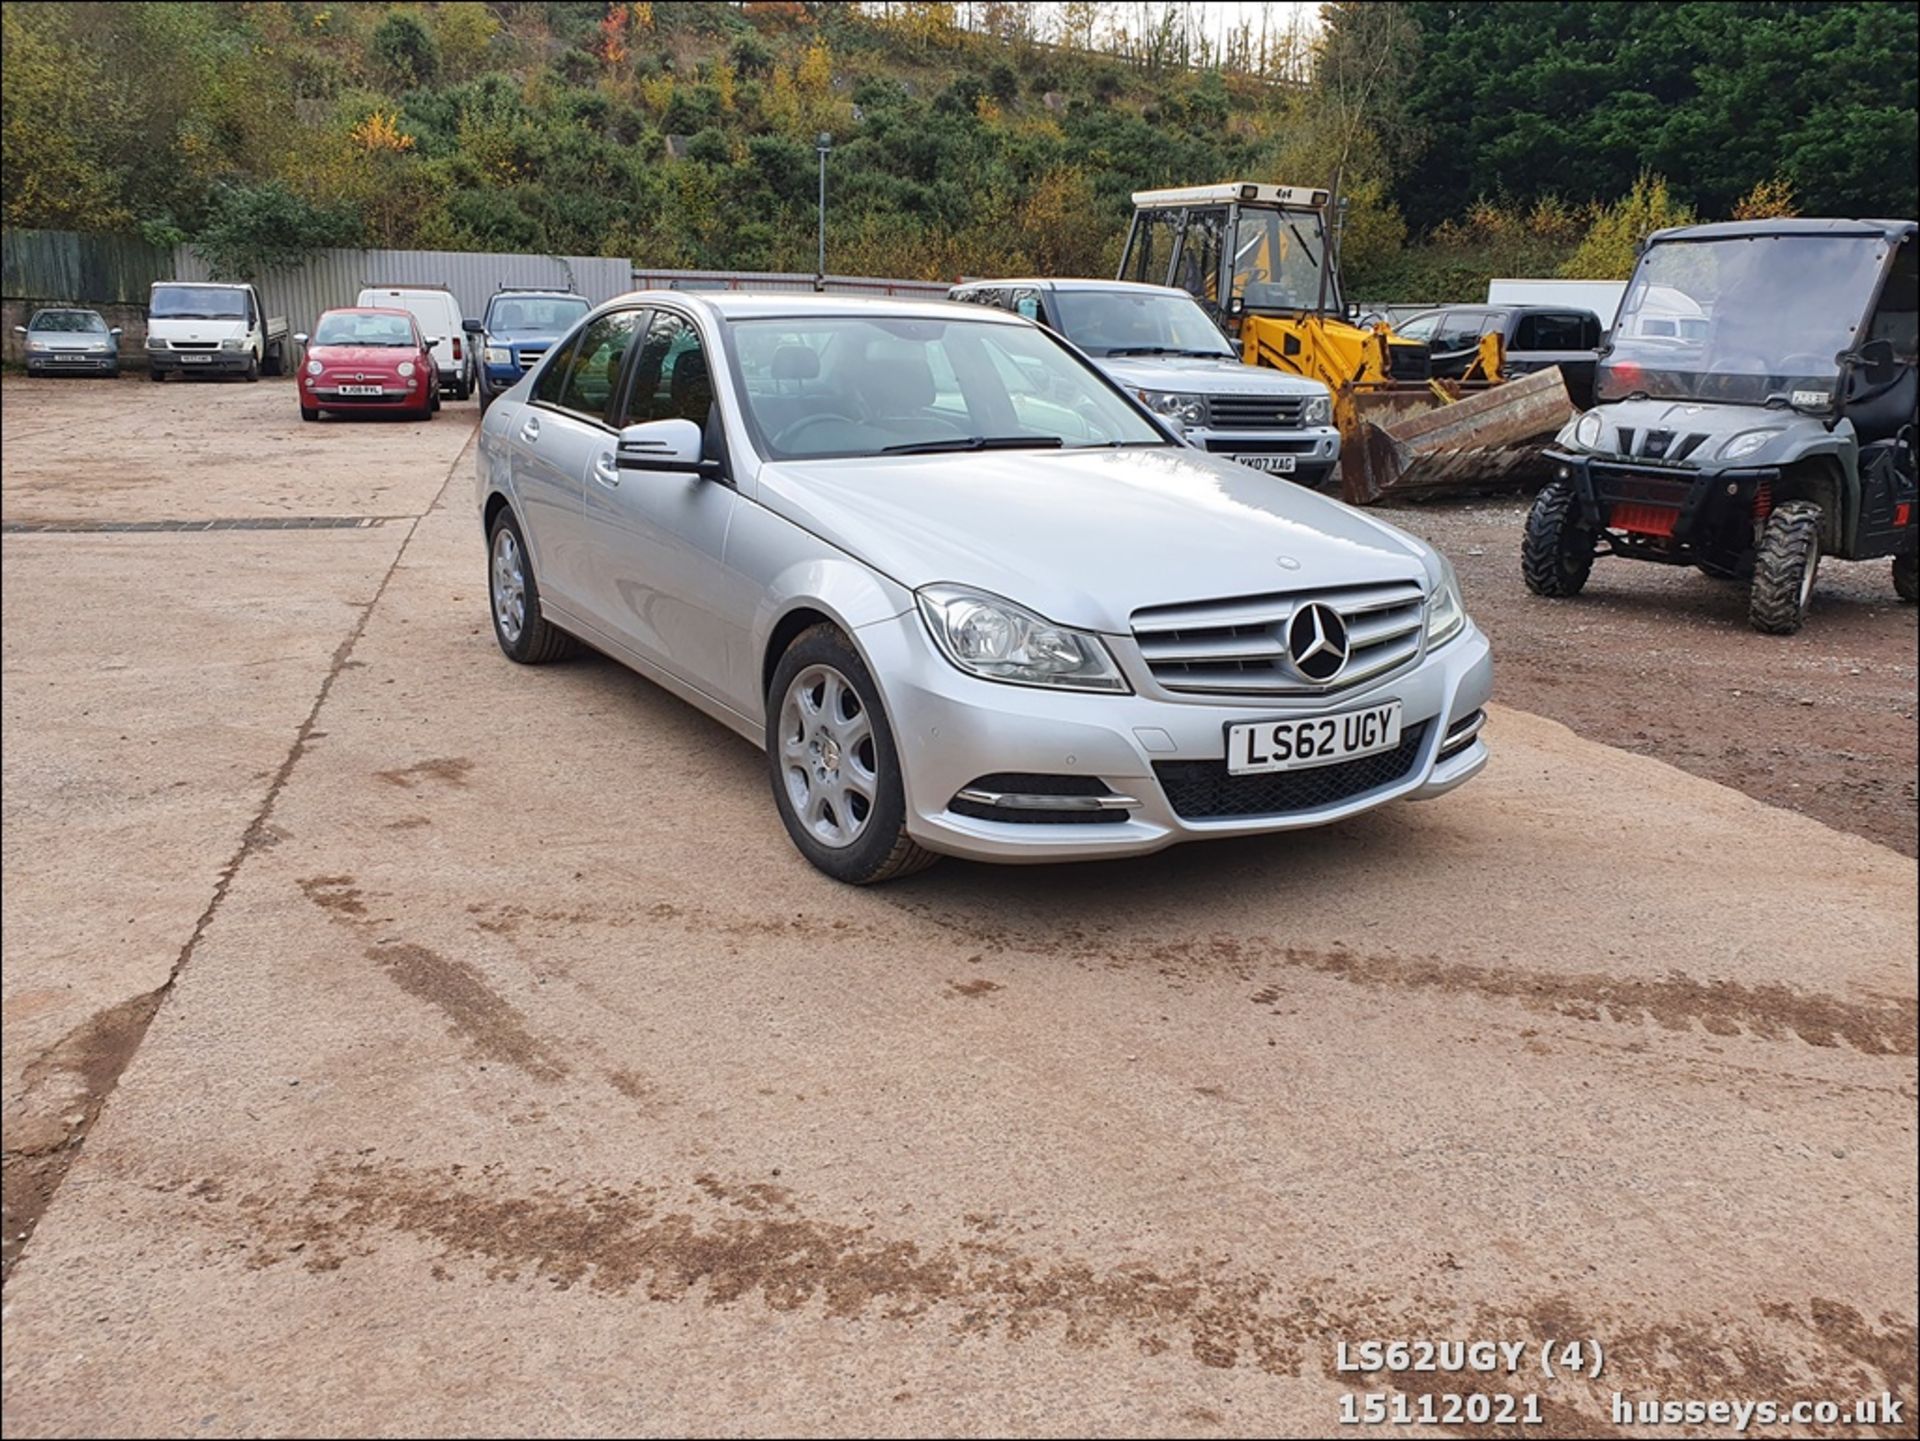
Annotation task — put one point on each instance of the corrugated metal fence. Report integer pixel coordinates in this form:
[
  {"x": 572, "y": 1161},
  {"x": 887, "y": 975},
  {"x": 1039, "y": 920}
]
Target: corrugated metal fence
[
  {"x": 53, "y": 265},
  {"x": 64, "y": 265},
  {"x": 336, "y": 277}
]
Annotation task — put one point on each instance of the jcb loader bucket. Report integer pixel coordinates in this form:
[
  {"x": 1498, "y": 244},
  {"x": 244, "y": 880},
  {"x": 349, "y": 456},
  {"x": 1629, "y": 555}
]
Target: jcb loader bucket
[{"x": 1408, "y": 447}]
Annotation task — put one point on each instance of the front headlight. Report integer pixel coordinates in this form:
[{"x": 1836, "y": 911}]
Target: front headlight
[
  {"x": 153, "y": 344},
  {"x": 1746, "y": 443},
  {"x": 36, "y": 345},
  {"x": 406, "y": 368},
  {"x": 1586, "y": 430},
  {"x": 314, "y": 367},
  {"x": 997, "y": 640},
  {"x": 499, "y": 356},
  {"x": 1446, "y": 614},
  {"x": 233, "y": 345},
  {"x": 1176, "y": 405},
  {"x": 1317, "y": 411}
]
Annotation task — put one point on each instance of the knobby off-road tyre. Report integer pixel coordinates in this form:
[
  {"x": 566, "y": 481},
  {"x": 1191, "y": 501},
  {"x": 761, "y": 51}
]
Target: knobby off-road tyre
[
  {"x": 823, "y": 695},
  {"x": 1784, "y": 569},
  {"x": 1556, "y": 555},
  {"x": 1906, "y": 577},
  {"x": 525, "y": 635}
]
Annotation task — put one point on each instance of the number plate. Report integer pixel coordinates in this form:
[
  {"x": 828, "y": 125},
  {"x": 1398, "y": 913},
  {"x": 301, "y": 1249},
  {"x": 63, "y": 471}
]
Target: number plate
[
  {"x": 195, "y": 359},
  {"x": 1291, "y": 745},
  {"x": 359, "y": 390},
  {"x": 1276, "y": 464}
]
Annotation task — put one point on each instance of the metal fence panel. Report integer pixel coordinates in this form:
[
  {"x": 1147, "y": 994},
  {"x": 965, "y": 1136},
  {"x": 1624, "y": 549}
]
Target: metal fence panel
[{"x": 64, "y": 265}]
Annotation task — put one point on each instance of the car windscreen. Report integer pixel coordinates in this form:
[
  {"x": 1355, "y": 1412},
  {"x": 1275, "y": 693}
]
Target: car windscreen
[
  {"x": 1137, "y": 322},
  {"x": 69, "y": 322},
  {"x": 197, "y": 302},
  {"x": 348, "y": 328},
  {"x": 542, "y": 314},
  {"x": 819, "y": 386},
  {"x": 1740, "y": 319},
  {"x": 1278, "y": 261}
]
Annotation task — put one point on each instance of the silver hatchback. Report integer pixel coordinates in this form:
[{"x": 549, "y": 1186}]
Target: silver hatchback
[{"x": 970, "y": 596}]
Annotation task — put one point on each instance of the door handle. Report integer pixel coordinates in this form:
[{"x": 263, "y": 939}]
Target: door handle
[
  {"x": 605, "y": 471},
  {"x": 531, "y": 429}
]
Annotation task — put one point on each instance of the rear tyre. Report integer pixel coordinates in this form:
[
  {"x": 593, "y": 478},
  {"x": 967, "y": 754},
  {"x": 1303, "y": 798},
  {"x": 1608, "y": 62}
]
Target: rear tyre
[
  {"x": 1906, "y": 577},
  {"x": 1784, "y": 568},
  {"x": 1556, "y": 555},
  {"x": 833, "y": 765},
  {"x": 525, "y": 635},
  {"x": 273, "y": 364}
]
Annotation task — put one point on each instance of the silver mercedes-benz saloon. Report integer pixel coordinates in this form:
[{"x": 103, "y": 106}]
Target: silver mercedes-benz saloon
[{"x": 970, "y": 596}]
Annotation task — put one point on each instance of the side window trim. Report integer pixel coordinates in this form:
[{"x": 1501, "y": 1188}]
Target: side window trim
[{"x": 620, "y": 403}]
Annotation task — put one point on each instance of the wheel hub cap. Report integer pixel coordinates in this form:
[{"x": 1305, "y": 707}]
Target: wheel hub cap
[{"x": 827, "y": 758}]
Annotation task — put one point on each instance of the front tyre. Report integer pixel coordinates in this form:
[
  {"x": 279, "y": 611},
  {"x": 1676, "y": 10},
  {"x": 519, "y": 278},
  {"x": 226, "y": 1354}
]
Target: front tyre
[
  {"x": 1556, "y": 555},
  {"x": 252, "y": 372},
  {"x": 1784, "y": 568},
  {"x": 1906, "y": 577},
  {"x": 525, "y": 635},
  {"x": 833, "y": 764}
]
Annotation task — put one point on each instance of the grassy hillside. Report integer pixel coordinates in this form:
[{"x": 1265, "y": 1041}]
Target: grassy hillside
[{"x": 683, "y": 134}]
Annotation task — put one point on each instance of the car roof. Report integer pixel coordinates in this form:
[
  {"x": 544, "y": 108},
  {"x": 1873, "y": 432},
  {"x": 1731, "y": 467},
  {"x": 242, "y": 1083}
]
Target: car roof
[
  {"x": 1075, "y": 283},
  {"x": 775, "y": 304},
  {"x": 1894, "y": 230},
  {"x": 368, "y": 310},
  {"x": 537, "y": 294}
]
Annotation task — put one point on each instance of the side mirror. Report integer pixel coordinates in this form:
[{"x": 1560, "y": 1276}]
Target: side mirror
[
  {"x": 19, "y": 330},
  {"x": 1237, "y": 305},
  {"x": 433, "y": 340},
  {"x": 473, "y": 327},
  {"x": 1353, "y": 310},
  {"x": 671, "y": 446},
  {"x": 300, "y": 337},
  {"x": 115, "y": 332},
  {"x": 1875, "y": 360}
]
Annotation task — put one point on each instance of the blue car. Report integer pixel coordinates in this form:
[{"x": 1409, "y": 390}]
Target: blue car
[{"x": 519, "y": 327}]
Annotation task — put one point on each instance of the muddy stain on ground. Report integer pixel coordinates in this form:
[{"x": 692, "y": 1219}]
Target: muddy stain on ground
[
  {"x": 448, "y": 770},
  {"x": 461, "y": 994},
  {"x": 61, "y": 1092},
  {"x": 725, "y": 1243}
]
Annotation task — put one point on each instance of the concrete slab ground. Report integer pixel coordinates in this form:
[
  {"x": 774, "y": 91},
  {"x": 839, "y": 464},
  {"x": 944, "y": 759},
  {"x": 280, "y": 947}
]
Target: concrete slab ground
[{"x": 528, "y": 1081}]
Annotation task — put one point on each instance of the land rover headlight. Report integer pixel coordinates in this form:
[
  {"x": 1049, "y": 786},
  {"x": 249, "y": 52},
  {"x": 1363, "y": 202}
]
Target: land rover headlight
[
  {"x": 1446, "y": 614},
  {"x": 1586, "y": 431},
  {"x": 1176, "y": 405},
  {"x": 995, "y": 639},
  {"x": 499, "y": 355},
  {"x": 1746, "y": 443},
  {"x": 1317, "y": 411}
]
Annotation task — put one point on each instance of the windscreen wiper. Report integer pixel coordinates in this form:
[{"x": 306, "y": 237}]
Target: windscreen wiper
[{"x": 975, "y": 442}]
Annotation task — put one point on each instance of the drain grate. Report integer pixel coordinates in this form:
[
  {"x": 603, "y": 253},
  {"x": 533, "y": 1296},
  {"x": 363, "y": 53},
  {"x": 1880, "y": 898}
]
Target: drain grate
[{"x": 116, "y": 527}]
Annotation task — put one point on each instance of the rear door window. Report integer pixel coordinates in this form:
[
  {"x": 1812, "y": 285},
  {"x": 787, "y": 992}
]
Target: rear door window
[
  {"x": 1570, "y": 331},
  {"x": 1459, "y": 330}
]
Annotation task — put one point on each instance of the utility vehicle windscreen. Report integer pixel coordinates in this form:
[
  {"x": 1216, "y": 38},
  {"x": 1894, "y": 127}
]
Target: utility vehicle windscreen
[
  {"x": 197, "y": 302},
  {"x": 1278, "y": 257},
  {"x": 1742, "y": 319}
]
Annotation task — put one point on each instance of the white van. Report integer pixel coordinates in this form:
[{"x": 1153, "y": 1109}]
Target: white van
[{"x": 438, "y": 315}]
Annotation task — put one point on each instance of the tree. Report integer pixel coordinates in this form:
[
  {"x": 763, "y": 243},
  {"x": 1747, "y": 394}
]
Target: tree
[
  {"x": 252, "y": 229},
  {"x": 406, "y": 49}
]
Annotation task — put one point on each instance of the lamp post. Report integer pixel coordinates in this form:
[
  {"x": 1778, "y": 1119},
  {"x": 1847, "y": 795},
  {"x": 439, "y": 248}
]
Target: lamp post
[{"x": 822, "y": 143}]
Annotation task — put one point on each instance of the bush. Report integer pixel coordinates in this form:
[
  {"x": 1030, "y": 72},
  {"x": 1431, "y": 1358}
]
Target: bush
[
  {"x": 710, "y": 147},
  {"x": 405, "y": 50},
  {"x": 1613, "y": 240},
  {"x": 751, "y": 55},
  {"x": 251, "y": 229}
]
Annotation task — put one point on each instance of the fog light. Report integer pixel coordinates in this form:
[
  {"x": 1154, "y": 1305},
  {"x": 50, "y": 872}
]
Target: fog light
[
  {"x": 1565, "y": 472},
  {"x": 413, "y": 385}
]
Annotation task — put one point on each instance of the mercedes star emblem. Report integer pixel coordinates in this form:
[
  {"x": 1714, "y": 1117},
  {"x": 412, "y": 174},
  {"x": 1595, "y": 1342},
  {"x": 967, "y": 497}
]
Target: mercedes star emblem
[{"x": 1317, "y": 642}]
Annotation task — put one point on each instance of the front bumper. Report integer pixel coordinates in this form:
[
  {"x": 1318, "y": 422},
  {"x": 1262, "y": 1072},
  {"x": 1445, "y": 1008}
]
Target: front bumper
[
  {"x": 952, "y": 730},
  {"x": 199, "y": 362},
  {"x": 1313, "y": 451},
  {"x": 391, "y": 396},
  {"x": 1671, "y": 506},
  {"x": 76, "y": 362}
]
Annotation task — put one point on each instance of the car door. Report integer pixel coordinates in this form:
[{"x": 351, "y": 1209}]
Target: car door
[
  {"x": 553, "y": 438},
  {"x": 659, "y": 538}
]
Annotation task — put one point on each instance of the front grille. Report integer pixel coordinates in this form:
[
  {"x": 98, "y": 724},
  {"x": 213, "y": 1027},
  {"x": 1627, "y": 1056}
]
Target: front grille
[
  {"x": 1029, "y": 784},
  {"x": 1239, "y": 647},
  {"x": 1260, "y": 447},
  {"x": 196, "y": 344},
  {"x": 1664, "y": 447},
  {"x": 530, "y": 358},
  {"x": 1204, "y": 791},
  {"x": 1255, "y": 412}
]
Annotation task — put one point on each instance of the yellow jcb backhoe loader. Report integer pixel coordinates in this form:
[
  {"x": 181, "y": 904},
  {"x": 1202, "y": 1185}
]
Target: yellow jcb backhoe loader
[{"x": 1257, "y": 256}]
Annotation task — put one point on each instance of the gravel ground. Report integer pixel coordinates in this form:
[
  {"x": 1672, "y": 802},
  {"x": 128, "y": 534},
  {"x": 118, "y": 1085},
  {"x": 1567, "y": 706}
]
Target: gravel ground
[
  {"x": 411, "y": 1042},
  {"x": 1661, "y": 661}
]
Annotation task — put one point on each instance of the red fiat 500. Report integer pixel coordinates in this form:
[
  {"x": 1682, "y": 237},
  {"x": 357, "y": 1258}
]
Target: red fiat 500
[{"x": 367, "y": 359}]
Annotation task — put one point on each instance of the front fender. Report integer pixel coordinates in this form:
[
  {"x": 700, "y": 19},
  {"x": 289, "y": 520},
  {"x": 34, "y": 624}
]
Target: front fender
[{"x": 849, "y": 594}]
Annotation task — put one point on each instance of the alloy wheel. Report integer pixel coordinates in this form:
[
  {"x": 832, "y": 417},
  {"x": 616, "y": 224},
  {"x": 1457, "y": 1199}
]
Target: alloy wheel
[
  {"x": 509, "y": 585},
  {"x": 827, "y": 756}
]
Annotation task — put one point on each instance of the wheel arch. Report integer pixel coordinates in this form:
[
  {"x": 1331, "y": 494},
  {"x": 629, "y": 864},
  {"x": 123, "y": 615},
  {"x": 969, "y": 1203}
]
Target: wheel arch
[
  {"x": 1824, "y": 479},
  {"x": 837, "y": 592}
]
